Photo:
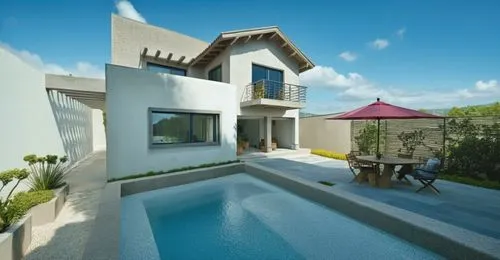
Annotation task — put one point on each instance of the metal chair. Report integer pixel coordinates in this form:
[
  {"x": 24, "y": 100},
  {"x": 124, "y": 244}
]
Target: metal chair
[{"x": 427, "y": 175}]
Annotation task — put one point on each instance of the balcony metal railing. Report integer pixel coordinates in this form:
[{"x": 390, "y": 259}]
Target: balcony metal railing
[{"x": 275, "y": 90}]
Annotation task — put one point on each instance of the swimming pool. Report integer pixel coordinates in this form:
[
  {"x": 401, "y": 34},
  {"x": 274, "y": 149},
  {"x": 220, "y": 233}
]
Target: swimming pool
[{"x": 241, "y": 217}]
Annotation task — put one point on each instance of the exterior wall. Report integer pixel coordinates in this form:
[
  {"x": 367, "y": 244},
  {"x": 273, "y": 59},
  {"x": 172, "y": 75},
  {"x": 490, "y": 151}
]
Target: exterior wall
[
  {"x": 224, "y": 60},
  {"x": 37, "y": 121},
  {"x": 129, "y": 37},
  {"x": 98, "y": 131},
  {"x": 283, "y": 131},
  {"x": 251, "y": 129},
  {"x": 28, "y": 124},
  {"x": 332, "y": 135},
  {"x": 127, "y": 127},
  {"x": 263, "y": 53},
  {"x": 74, "y": 123}
]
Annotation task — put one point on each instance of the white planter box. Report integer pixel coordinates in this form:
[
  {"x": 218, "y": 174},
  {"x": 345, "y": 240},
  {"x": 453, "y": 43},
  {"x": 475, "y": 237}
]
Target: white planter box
[
  {"x": 16, "y": 239},
  {"x": 47, "y": 212}
]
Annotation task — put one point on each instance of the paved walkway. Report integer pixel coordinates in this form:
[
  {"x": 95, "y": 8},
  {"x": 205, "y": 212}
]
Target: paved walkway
[
  {"x": 65, "y": 238},
  {"x": 469, "y": 207}
]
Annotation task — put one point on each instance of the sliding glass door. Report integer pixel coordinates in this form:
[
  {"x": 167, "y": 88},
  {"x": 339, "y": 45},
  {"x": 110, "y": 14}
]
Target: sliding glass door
[{"x": 272, "y": 78}]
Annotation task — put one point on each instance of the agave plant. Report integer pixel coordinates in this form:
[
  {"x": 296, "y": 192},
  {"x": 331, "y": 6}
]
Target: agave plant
[{"x": 47, "y": 172}]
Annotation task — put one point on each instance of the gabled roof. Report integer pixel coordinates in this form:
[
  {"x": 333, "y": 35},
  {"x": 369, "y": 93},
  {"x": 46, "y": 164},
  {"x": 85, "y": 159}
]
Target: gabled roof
[{"x": 273, "y": 33}]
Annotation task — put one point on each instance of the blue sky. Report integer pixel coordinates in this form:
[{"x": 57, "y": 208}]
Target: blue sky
[{"x": 421, "y": 54}]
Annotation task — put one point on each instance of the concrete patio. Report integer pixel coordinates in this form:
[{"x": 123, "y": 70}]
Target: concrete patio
[{"x": 473, "y": 208}]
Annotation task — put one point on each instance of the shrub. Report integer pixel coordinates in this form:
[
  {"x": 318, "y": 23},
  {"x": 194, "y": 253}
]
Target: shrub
[
  {"x": 6, "y": 177},
  {"x": 367, "y": 139},
  {"x": 473, "y": 150},
  {"x": 410, "y": 141},
  {"x": 328, "y": 154},
  {"x": 470, "y": 181},
  {"x": 327, "y": 183},
  {"x": 153, "y": 173},
  {"x": 24, "y": 201},
  {"x": 47, "y": 172}
]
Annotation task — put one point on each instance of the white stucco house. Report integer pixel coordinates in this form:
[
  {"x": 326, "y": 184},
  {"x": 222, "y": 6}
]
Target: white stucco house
[{"x": 175, "y": 101}]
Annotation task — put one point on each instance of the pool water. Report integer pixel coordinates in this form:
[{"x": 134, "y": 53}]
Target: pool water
[{"x": 241, "y": 217}]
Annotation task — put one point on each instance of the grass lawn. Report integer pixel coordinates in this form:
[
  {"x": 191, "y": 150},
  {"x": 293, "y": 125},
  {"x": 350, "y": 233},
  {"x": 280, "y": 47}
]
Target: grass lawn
[{"x": 470, "y": 181}]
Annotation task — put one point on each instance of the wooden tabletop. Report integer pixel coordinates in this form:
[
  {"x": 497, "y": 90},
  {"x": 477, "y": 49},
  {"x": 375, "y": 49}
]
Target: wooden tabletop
[{"x": 387, "y": 160}]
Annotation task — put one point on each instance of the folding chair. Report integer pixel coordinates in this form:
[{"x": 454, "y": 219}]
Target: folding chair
[
  {"x": 354, "y": 164},
  {"x": 428, "y": 174}
]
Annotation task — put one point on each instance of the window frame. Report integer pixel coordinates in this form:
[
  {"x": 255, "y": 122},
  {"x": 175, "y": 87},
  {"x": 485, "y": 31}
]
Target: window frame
[
  {"x": 148, "y": 63},
  {"x": 215, "y": 68},
  {"x": 216, "y": 130},
  {"x": 267, "y": 74}
]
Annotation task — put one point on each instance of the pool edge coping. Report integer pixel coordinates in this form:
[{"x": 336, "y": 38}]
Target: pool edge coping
[{"x": 104, "y": 239}]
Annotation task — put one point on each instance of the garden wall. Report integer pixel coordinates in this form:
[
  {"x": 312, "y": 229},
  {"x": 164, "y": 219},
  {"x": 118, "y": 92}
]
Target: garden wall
[{"x": 432, "y": 128}]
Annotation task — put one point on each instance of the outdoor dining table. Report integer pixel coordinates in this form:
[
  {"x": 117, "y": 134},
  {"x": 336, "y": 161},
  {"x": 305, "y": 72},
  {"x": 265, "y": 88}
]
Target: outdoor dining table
[{"x": 389, "y": 162}]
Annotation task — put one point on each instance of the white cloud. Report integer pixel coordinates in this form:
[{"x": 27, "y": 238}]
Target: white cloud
[
  {"x": 352, "y": 90},
  {"x": 379, "y": 44},
  {"x": 81, "y": 68},
  {"x": 487, "y": 85},
  {"x": 401, "y": 32},
  {"x": 126, "y": 9},
  {"x": 348, "y": 56}
]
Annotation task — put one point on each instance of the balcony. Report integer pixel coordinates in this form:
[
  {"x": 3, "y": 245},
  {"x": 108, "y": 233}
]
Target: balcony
[{"x": 275, "y": 94}]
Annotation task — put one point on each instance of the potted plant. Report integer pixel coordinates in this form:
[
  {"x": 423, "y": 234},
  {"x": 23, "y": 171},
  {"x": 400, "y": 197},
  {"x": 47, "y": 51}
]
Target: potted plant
[
  {"x": 262, "y": 145},
  {"x": 274, "y": 143},
  {"x": 410, "y": 141},
  {"x": 239, "y": 147},
  {"x": 246, "y": 143},
  {"x": 258, "y": 90}
]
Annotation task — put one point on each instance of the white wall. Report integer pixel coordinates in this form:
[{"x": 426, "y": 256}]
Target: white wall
[
  {"x": 28, "y": 124},
  {"x": 98, "y": 131},
  {"x": 283, "y": 131},
  {"x": 74, "y": 123},
  {"x": 222, "y": 59},
  {"x": 128, "y": 151},
  {"x": 263, "y": 53}
]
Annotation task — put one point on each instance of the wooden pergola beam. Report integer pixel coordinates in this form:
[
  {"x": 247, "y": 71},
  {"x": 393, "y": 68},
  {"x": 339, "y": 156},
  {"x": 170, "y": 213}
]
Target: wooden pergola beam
[
  {"x": 272, "y": 36},
  {"x": 181, "y": 59},
  {"x": 234, "y": 41},
  {"x": 157, "y": 54},
  {"x": 144, "y": 52},
  {"x": 248, "y": 38},
  {"x": 260, "y": 36},
  {"x": 169, "y": 56}
]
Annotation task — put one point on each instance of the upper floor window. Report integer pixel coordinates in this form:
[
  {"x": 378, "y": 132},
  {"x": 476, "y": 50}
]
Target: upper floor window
[
  {"x": 215, "y": 74},
  {"x": 165, "y": 69},
  {"x": 265, "y": 73}
]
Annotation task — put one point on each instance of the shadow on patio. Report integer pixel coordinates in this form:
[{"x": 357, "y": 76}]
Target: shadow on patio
[{"x": 473, "y": 208}]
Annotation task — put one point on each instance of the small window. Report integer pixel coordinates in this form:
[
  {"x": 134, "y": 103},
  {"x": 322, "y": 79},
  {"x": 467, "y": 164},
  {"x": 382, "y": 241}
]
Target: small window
[
  {"x": 215, "y": 74},
  {"x": 165, "y": 69},
  {"x": 171, "y": 128}
]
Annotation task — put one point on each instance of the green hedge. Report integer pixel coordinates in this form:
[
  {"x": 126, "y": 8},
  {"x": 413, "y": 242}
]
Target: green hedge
[
  {"x": 153, "y": 173},
  {"x": 22, "y": 202},
  {"x": 470, "y": 181},
  {"x": 329, "y": 154}
]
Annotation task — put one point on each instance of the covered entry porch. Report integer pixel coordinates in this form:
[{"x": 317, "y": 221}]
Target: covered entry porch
[{"x": 267, "y": 134}]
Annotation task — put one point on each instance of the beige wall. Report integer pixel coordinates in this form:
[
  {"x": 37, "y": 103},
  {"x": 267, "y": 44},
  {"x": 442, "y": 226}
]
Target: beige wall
[
  {"x": 223, "y": 60},
  {"x": 129, "y": 37},
  {"x": 332, "y": 135}
]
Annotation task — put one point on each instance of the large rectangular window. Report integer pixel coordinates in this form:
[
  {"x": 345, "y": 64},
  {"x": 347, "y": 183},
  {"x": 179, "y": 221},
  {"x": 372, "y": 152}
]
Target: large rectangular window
[
  {"x": 173, "y": 127},
  {"x": 215, "y": 74},
  {"x": 265, "y": 73},
  {"x": 165, "y": 69}
]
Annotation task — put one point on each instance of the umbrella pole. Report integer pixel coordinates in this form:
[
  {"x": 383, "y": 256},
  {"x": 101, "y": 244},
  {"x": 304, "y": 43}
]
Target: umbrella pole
[{"x": 378, "y": 134}]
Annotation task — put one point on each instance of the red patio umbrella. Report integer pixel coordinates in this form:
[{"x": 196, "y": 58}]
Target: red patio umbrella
[{"x": 380, "y": 110}]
